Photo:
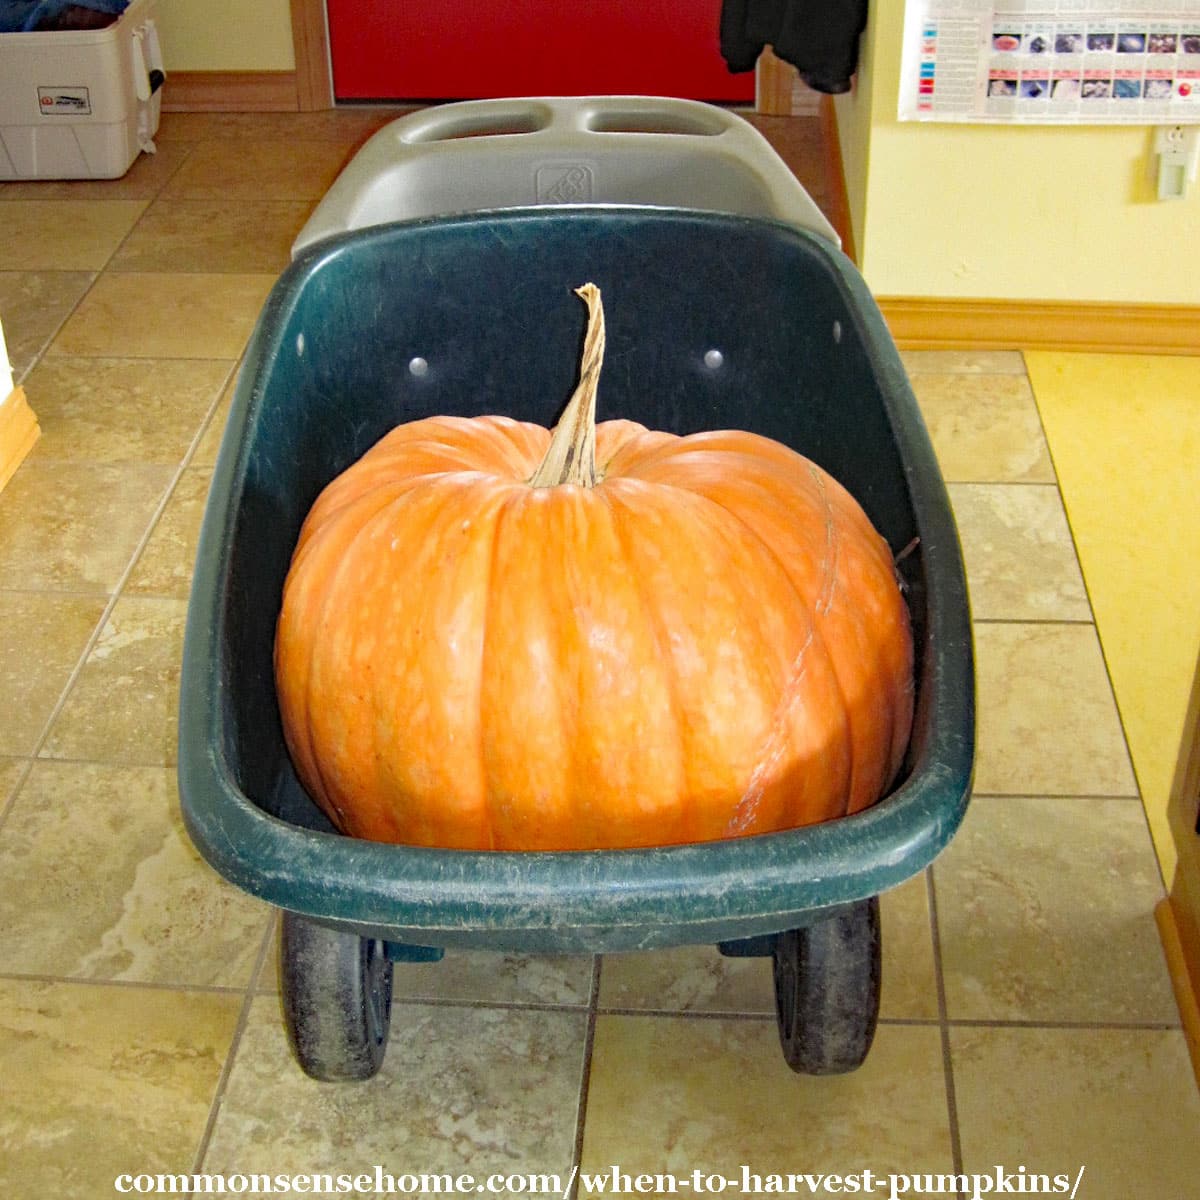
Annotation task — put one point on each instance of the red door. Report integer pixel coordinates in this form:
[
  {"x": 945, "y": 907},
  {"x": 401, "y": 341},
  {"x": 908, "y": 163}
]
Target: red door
[{"x": 469, "y": 49}]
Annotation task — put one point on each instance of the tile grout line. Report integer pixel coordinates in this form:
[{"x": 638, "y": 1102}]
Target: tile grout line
[
  {"x": 1004, "y": 483},
  {"x": 250, "y": 994},
  {"x": 741, "y": 1016},
  {"x": 22, "y": 775},
  {"x": 690, "y": 1014},
  {"x": 1013, "y": 1023},
  {"x": 1132, "y": 796},
  {"x": 150, "y": 202},
  {"x": 496, "y": 1005},
  {"x": 585, "y": 1078},
  {"x": 147, "y": 985},
  {"x": 1051, "y": 797},
  {"x": 37, "y": 360},
  {"x": 116, "y": 595},
  {"x": 20, "y": 378},
  {"x": 765, "y": 1017},
  {"x": 102, "y": 621},
  {"x": 155, "y": 517},
  {"x": 91, "y": 360},
  {"x": 1072, "y": 621},
  {"x": 57, "y": 330},
  {"x": 939, "y": 976}
]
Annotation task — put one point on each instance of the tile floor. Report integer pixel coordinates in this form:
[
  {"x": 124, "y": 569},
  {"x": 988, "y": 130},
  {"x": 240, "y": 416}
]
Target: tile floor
[{"x": 1027, "y": 1015}]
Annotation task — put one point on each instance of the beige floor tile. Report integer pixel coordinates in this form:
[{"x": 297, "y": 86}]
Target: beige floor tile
[
  {"x": 963, "y": 362},
  {"x": 700, "y": 979},
  {"x": 1046, "y": 913},
  {"x": 142, "y": 181},
  {"x": 489, "y": 978},
  {"x": 149, "y": 315},
  {"x": 345, "y": 123},
  {"x": 41, "y": 639},
  {"x": 258, "y": 169},
  {"x": 985, "y": 428},
  {"x": 480, "y": 976},
  {"x": 1020, "y": 558},
  {"x": 183, "y": 128},
  {"x": 210, "y": 441},
  {"x": 101, "y": 1080},
  {"x": 909, "y": 990},
  {"x": 33, "y": 305},
  {"x": 122, "y": 894},
  {"x": 119, "y": 410},
  {"x": 677, "y": 1094},
  {"x": 1122, "y": 1104},
  {"x": 123, "y": 708},
  {"x": 268, "y": 980},
  {"x": 686, "y": 979},
  {"x": 11, "y": 770},
  {"x": 165, "y": 565},
  {"x": 461, "y": 1089},
  {"x": 1047, "y": 722},
  {"x": 75, "y": 526},
  {"x": 1045, "y": 897},
  {"x": 213, "y": 235},
  {"x": 63, "y": 235}
]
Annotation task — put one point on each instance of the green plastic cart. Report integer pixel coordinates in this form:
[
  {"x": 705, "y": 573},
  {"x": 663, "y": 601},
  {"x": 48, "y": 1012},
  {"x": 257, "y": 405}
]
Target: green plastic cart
[{"x": 716, "y": 319}]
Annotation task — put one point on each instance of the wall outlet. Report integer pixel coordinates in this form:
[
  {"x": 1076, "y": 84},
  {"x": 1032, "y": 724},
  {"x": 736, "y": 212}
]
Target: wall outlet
[{"x": 1178, "y": 150}]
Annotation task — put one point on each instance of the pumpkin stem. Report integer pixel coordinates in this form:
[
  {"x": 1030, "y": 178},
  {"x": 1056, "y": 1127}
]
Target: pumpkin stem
[{"x": 571, "y": 457}]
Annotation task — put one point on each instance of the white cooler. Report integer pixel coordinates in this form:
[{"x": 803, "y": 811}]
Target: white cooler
[{"x": 80, "y": 104}]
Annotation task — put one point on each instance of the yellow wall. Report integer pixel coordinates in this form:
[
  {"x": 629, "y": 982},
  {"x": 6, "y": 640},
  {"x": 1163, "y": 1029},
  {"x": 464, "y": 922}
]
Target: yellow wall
[
  {"x": 1016, "y": 212},
  {"x": 226, "y": 35},
  {"x": 853, "y": 111}
]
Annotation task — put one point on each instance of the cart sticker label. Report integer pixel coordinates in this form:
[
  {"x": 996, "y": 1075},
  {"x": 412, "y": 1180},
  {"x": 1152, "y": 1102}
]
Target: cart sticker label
[
  {"x": 74, "y": 101},
  {"x": 564, "y": 183}
]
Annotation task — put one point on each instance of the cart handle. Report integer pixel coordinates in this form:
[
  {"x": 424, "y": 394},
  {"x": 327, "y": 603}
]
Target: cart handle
[{"x": 484, "y": 154}]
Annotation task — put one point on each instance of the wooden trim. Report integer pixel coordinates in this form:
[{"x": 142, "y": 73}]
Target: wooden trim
[
  {"x": 19, "y": 430},
  {"x": 773, "y": 82},
  {"x": 835, "y": 178},
  {"x": 1179, "y": 918},
  {"x": 1182, "y": 979},
  {"x": 920, "y": 323},
  {"x": 230, "y": 91},
  {"x": 310, "y": 40}
]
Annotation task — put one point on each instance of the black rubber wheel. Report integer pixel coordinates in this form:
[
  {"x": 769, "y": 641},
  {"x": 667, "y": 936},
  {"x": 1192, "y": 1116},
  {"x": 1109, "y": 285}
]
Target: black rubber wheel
[
  {"x": 336, "y": 990},
  {"x": 827, "y": 990}
]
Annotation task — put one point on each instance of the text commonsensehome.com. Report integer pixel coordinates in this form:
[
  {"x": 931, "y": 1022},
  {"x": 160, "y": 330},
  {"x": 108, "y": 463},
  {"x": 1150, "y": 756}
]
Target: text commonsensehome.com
[{"x": 999, "y": 1181}]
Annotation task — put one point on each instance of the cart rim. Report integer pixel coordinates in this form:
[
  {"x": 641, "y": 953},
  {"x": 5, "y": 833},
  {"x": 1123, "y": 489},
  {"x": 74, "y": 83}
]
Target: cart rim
[{"x": 763, "y": 879}]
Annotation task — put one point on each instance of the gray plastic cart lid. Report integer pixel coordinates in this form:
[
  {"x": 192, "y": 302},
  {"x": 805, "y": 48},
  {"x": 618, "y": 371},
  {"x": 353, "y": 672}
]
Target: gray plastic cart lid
[{"x": 491, "y": 154}]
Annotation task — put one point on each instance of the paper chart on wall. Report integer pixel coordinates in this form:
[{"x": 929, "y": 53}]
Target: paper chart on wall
[{"x": 1074, "y": 62}]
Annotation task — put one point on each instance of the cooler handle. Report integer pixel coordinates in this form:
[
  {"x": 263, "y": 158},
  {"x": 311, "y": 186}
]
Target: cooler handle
[{"x": 148, "y": 73}]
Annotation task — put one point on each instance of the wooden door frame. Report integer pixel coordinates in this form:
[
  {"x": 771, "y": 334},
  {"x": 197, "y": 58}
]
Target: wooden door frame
[
  {"x": 310, "y": 39},
  {"x": 1179, "y": 914},
  {"x": 308, "y": 87}
]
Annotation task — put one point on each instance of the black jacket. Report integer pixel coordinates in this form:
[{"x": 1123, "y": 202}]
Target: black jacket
[{"x": 818, "y": 37}]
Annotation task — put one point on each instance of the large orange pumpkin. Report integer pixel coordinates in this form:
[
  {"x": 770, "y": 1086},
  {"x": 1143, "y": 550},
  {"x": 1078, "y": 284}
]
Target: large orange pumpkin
[{"x": 618, "y": 637}]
